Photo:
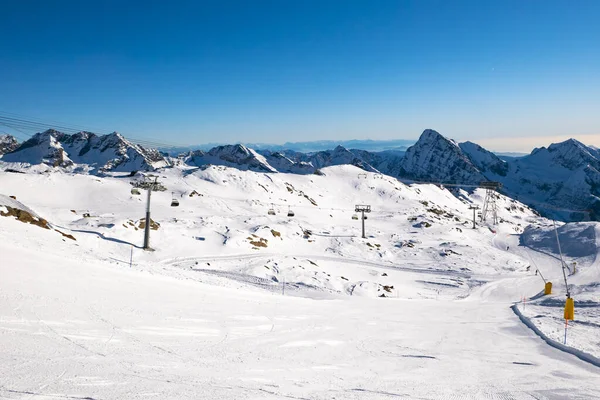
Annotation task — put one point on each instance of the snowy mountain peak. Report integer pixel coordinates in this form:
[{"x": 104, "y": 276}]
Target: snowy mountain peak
[
  {"x": 44, "y": 147},
  {"x": 106, "y": 152},
  {"x": 570, "y": 154},
  {"x": 8, "y": 143},
  {"x": 438, "y": 159},
  {"x": 433, "y": 136},
  {"x": 238, "y": 156}
]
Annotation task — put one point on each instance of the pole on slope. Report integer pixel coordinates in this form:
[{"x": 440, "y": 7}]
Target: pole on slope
[
  {"x": 541, "y": 276},
  {"x": 361, "y": 208},
  {"x": 474, "y": 208},
  {"x": 570, "y": 303},
  {"x": 562, "y": 262},
  {"x": 363, "y": 224},
  {"x": 148, "y": 219},
  {"x": 131, "y": 257}
]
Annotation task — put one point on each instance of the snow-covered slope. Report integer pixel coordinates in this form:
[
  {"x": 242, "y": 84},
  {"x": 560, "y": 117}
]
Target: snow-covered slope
[
  {"x": 580, "y": 244},
  {"x": 234, "y": 300},
  {"x": 485, "y": 161},
  {"x": 106, "y": 152},
  {"x": 8, "y": 143},
  {"x": 563, "y": 176}
]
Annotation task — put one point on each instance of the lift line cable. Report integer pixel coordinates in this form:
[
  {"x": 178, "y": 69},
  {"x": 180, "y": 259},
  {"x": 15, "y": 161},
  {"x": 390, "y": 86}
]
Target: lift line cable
[{"x": 18, "y": 123}]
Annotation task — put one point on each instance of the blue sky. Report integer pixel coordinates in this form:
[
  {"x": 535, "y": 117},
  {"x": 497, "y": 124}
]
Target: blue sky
[{"x": 276, "y": 71}]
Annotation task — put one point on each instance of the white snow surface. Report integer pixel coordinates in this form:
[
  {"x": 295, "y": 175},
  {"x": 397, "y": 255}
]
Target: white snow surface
[{"x": 210, "y": 313}]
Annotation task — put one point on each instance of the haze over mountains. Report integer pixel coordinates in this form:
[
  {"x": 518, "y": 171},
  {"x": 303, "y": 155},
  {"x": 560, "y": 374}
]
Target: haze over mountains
[{"x": 562, "y": 180}]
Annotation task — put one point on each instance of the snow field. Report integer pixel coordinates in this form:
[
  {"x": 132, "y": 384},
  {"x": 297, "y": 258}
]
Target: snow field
[{"x": 203, "y": 315}]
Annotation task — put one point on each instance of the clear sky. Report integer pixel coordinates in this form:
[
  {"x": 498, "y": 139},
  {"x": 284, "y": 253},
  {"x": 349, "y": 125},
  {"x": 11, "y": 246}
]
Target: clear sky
[{"x": 276, "y": 71}]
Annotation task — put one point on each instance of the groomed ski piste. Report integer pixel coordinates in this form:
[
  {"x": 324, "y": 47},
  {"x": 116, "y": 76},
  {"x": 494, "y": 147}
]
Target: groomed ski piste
[{"x": 235, "y": 303}]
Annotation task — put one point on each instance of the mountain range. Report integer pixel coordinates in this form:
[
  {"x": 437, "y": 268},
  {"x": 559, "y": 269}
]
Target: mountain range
[
  {"x": 304, "y": 147},
  {"x": 110, "y": 152},
  {"x": 562, "y": 180}
]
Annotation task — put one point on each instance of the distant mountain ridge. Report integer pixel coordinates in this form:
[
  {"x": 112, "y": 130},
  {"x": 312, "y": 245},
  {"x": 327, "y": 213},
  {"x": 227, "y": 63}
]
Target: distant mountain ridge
[
  {"x": 110, "y": 152},
  {"x": 305, "y": 147},
  {"x": 562, "y": 180}
]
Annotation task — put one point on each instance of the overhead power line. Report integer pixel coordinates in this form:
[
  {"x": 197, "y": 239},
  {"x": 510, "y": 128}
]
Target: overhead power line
[{"x": 27, "y": 126}]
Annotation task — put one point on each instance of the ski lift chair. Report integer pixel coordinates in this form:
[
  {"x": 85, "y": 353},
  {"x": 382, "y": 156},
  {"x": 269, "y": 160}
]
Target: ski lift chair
[
  {"x": 174, "y": 201},
  {"x": 354, "y": 216},
  {"x": 271, "y": 210},
  {"x": 135, "y": 191},
  {"x": 290, "y": 212}
]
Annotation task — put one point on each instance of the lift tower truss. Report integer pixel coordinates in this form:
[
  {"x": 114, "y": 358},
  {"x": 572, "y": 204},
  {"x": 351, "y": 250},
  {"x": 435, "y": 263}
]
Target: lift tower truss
[{"x": 490, "y": 208}]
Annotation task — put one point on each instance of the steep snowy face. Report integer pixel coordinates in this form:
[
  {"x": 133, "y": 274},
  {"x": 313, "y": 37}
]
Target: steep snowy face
[
  {"x": 107, "y": 152},
  {"x": 114, "y": 152},
  {"x": 564, "y": 176},
  {"x": 193, "y": 158},
  {"x": 44, "y": 147},
  {"x": 7, "y": 144},
  {"x": 435, "y": 158},
  {"x": 570, "y": 154},
  {"x": 238, "y": 156},
  {"x": 485, "y": 161},
  {"x": 282, "y": 163},
  {"x": 387, "y": 162}
]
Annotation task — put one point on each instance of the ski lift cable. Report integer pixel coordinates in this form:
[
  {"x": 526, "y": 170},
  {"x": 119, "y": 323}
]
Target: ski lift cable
[
  {"x": 18, "y": 122},
  {"x": 454, "y": 184},
  {"x": 336, "y": 208},
  {"x": 50, "y": 122},
  {"x": 25, "y": 134}
]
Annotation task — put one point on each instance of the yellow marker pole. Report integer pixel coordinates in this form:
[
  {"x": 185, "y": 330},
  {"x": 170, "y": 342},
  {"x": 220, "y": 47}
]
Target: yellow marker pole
[{"x": 548, "y": 288}]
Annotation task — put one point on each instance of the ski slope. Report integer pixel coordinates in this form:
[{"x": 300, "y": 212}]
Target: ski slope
[{"x": 208, "y": 314}]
